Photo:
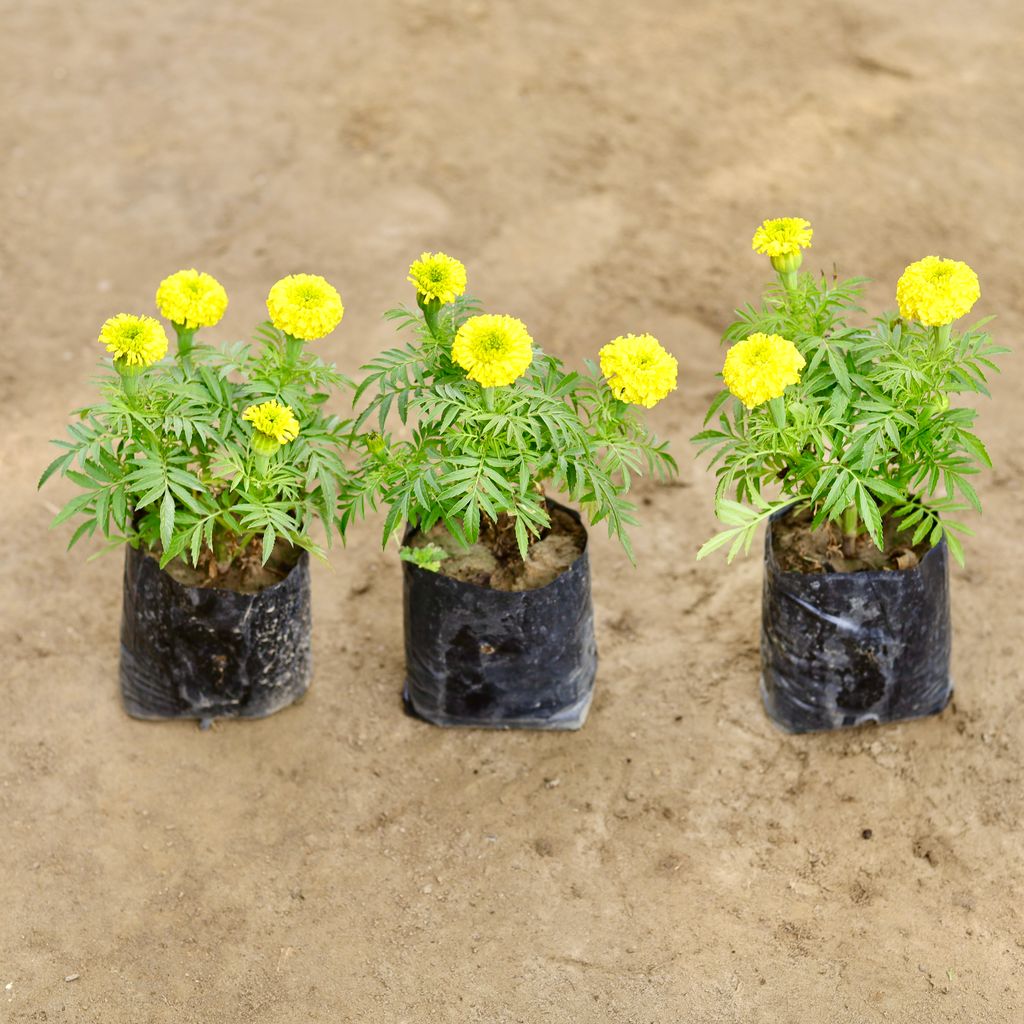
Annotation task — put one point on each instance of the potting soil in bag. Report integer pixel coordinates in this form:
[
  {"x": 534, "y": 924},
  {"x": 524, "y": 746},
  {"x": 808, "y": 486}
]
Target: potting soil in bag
[
  {"x": 496, "y": 658},
  {"x": 844, "y": 648},
  {"x": 199, "y": 652}
]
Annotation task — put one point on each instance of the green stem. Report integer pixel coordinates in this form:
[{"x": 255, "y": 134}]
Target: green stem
[
  {"x": 241, "y": 545},
  {"x": 186, "y": 335},
  {"x": 850, "y": 530},
  {"x": 488, "y": 394},
  {"x": 130, "y": 384},
  {"x": 131, "y": 380},
  {"x": 292, "y": 351},
  {"x": 220, "y": 553},
  {"x": 431, "y": 312},
  {"x": 787, "y": 267},
  {"x": 789, "y": 281}
]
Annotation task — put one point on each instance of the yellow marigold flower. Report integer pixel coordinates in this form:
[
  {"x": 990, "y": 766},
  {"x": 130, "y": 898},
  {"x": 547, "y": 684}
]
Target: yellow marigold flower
[
  {"x": 438, "y": 276},
  {"x": 274, "y": 420},
  {"x": 191, "y": 299},
  {"x": 638, "y": 369},
  {"x": 494, "y": 350},
  {"x": 936, "y": 292},
  {"x": 761, "y": 367},
  {"x": 134, "y": 340},
  {"x": 305, "y": 306},
  {"x": 783, "y": 236}
]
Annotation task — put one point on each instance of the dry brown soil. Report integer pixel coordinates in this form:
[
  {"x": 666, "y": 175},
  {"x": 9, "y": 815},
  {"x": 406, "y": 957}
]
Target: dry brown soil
[{"x": 600, "y": 167}]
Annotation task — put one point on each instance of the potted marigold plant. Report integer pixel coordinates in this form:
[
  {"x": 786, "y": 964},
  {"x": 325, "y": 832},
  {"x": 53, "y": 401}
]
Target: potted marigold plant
[
  {"x": 498, "y": 620},
  {"x": 212, "y": 467},
  {"x": 841, "y": 436}
]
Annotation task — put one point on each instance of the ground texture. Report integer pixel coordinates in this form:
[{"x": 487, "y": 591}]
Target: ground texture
[{"x": 599, "y": 167}]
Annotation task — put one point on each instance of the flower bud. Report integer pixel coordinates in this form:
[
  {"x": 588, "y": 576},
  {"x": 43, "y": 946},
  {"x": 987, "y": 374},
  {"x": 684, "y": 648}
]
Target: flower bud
[
  {"x": 789, "y": 263},
  {"x": 130, "y": 374},
  {"x": 129, "y": 370},
  {"x": 264, "y": 444}
]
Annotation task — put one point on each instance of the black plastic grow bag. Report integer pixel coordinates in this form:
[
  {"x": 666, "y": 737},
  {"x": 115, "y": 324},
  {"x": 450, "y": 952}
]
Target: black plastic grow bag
[
  {"x": 196, "y": 652},
  {"x": 500, "y": 659},
  {"x": 842, "y": 649}
]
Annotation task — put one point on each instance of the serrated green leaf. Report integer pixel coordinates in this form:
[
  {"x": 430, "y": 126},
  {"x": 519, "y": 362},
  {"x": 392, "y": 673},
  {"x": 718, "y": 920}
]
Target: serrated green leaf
[{"x": 166, "y": 520}]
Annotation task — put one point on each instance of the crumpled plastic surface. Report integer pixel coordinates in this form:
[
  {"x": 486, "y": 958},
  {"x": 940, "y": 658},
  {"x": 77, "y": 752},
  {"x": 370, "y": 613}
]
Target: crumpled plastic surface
[
  {"x": 842, "y": 649},
  {"x": 499, "y": 659},
  {"x": 197, "y": 652}
]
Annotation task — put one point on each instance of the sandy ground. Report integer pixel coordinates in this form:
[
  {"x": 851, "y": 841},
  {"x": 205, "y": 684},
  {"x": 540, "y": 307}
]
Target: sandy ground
[{"x": 600, "y": 167}]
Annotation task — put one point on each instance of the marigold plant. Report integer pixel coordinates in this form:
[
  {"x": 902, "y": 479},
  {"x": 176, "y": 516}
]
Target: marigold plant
[
  {"x": 212, "y": 453},
  {"x": 852, "y": 419},
  {"x": 495, "y": 421}
]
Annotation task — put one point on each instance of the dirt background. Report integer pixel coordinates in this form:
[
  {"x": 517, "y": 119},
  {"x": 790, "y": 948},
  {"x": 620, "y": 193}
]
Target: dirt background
[{"x": 599, "y": 167}]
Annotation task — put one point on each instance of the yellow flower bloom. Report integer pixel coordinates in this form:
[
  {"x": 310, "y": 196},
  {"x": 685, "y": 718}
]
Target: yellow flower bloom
[
  {"x": 638, "y": 369},
  {"x": 494, "y": 350},
  {"x": 761, "y": 367},
  {"x": 438, "y": 276},
  {"x": 191, "y": 299},
  {"x": 134, "y": 340},
  {"x": 783, "y": 236},
  {"x": 936, "y": 292},
  {"x": 305, "y": 306},
  {"x": 275, "y": 421}
]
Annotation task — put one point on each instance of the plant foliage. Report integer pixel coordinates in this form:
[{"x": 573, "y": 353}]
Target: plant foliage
[
  {"x": 868, "y": 431},
  {"x": 169, "y": 462},
  {"x": 471, "y": 453}
]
